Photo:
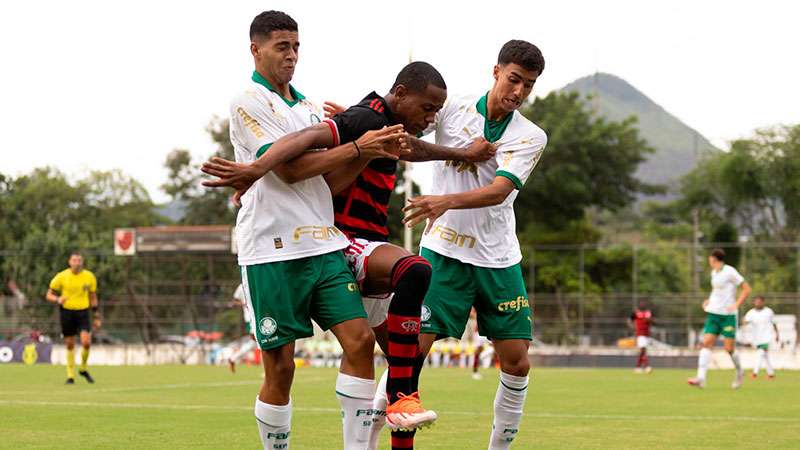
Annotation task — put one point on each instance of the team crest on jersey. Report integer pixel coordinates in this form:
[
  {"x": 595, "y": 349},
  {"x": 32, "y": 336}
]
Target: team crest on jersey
[
  {"x": 267, "y": 326},
  {"x": 426, "y": 313}
]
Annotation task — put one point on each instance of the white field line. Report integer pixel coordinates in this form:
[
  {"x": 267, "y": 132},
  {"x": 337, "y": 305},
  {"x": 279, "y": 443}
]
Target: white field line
[{"x": 542, "y": 415}]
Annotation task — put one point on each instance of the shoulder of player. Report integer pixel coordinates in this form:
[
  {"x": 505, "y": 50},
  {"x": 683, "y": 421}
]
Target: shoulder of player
[{"x": 522, "y": 133}]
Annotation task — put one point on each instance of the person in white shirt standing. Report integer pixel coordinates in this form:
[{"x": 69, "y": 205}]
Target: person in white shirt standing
[
  {"x": 471, "y": 240},
  {"x": 762, "y": 322},
  {"x": 290, "y": 252},
  {"x": 721, "y": 307}
]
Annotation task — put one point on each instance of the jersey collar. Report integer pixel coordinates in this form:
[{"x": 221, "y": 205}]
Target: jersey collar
[
  {"x": 492, "y": 130},
  {"x": 297, "y": 96}
]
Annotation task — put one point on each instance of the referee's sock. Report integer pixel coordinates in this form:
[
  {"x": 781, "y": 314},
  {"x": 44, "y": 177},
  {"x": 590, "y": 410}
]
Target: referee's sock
[
  {"x": 84, "y": 359},
  {"x": 70, "y": 363}
]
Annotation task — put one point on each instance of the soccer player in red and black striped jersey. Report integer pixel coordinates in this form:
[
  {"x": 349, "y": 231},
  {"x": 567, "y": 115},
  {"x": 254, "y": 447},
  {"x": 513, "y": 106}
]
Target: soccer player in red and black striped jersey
[
  {"x": 641, "y": 319},
  {"x": 392, "y": 280}
]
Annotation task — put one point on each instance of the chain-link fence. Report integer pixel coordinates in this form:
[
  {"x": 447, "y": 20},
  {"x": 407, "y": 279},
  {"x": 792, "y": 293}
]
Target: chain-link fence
[{"x": 581, "y": 295}]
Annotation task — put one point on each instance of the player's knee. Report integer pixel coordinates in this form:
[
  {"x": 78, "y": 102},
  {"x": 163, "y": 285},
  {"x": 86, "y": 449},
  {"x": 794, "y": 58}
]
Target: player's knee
[
  {"x": 516, "y": 364},
  {"x": 413, "y": 270}
]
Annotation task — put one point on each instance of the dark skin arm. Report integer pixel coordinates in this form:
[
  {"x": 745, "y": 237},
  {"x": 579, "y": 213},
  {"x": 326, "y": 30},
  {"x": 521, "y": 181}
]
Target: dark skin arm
[
  {"x": 242, "y": 176},
  {"x": 479, "y": 150}
]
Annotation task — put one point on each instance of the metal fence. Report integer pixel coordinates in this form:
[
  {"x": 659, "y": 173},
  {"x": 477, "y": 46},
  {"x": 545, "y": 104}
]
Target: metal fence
[{"x": 580, "y": 294}]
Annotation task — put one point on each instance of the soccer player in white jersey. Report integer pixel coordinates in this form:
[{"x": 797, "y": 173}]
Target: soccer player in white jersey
[
  {"x": 721, "y": 307},
  {"x": 248, "y": 343},
  {"x": 470, "y": 239},
  {"x": 761, "y": 320},
  {"x": 293, "y": 269}
]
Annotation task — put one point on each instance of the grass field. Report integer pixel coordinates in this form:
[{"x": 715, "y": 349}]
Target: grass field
[{"x": 202, "y": 407}]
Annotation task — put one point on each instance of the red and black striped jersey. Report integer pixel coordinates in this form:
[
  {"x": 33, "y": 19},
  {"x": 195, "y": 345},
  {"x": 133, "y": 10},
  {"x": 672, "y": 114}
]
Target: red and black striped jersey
[{"x": 362, "y": 209}]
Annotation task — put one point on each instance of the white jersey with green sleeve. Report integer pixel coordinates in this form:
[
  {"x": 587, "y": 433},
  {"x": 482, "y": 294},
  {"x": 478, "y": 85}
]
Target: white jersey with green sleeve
[
  {"x": 761, "y": 323},
  {"x": 484, "y": 237},
  {"x": 723, "y": 290},
  {"x": 279, "y": 221}
]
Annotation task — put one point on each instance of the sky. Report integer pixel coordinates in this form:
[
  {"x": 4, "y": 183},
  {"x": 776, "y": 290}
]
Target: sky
[{"x": 93, "y": 86}]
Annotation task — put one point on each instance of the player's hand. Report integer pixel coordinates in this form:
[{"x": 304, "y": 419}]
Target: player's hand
[
  {"x": 61, "y": 300},
  {"x": 480, "y": 150},
  {"x": 429, "y": 207},
  {"x": 97, "y": 322},
  {"x": 230, "y": 173},
  {"x": 731, "y": 308},
  {"x": 388, "y": 142},
  {"x": 331, "y": 109},
  {"x": 705, "y": 303}
]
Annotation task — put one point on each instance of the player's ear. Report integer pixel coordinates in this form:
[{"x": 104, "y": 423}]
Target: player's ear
[
  {"x": 400, "y": 91},
  {"x": 254, "y": 49},
  {"x": 496, "y": 72}
]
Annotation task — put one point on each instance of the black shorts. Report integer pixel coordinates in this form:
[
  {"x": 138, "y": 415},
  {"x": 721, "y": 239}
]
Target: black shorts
[{"x": 75, "y": 321}]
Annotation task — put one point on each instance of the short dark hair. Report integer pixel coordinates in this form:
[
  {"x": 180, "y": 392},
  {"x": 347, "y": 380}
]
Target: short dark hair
[
  {"x": 75, "y": 252},
  {"x": 523, "y": 53},
  {"x": 416, "y": 77},
  {"x": 759, "y": 297},
  {"x": 719, "y": 254},
  {"x": 269, "y": 21}
]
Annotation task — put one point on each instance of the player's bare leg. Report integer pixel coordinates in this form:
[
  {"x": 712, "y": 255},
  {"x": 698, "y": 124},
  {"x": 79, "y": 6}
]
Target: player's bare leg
[
  {"x": 273, "y": 408},
  {"x": 476, "y": 363},
  {"x": 86, "y": 343},
  {"x": 730, "y": 347}
]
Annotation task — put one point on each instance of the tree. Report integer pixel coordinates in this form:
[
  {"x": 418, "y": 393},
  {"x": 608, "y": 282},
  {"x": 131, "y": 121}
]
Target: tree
[
  {"x": 588, "y": 163},
  {"x": 202, "y": 206}
]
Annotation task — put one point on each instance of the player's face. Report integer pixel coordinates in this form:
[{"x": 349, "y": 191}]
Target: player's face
[
  {"x": 76, "y": 263},
  {"x": 512, "y": 86},
  {"x": 758, "y": 303},
  {"x": 416, "y": 110},
  {"x": 277, "y": 55},
  {"x": 714, "y": 263}
]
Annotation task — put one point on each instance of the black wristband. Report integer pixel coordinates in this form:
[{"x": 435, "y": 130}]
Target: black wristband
[
  {"x": 357, "y": 149},
  {"x": 94, "y": 309}
]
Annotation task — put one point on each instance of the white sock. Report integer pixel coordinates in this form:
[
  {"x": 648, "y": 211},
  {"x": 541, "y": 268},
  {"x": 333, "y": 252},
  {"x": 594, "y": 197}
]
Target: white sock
[
  {"x": 246, "y": 348},
  {"x": 379, "y": 404},
  {"x": 702, "y": 362},
  {"x": 770, "y": 370},
  {"x": 355, "y": 397},
  {"x": 274, "y": 424},
  {"x": 736, "y": 363},
  {"x": 508, "y": 404},
  {"x": 760, "y": 354}
]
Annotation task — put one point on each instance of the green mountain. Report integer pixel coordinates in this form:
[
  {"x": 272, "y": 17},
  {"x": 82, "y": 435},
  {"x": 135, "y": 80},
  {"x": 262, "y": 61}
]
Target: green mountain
[{"x": 678, "y": 146}]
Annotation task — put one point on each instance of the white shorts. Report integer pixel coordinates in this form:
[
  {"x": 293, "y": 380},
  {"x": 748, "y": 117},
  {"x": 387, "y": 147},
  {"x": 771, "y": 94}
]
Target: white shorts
[
  {"x": 357, "y": 256},
  {"x": 642, "y": 341}
]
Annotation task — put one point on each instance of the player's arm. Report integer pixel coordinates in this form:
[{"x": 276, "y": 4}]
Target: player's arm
[
  {"x": 372, "y": 144},
  {"x": 53, "y": 297},
  {"x": 630, "y": 321},
  {"x": 478, "y": 151},
  {"x": 742, "y": 296},
  {"x": 242, "y": 176},
  {"x": 431, "y": 207},
  {"x": 514, "y": 165}
]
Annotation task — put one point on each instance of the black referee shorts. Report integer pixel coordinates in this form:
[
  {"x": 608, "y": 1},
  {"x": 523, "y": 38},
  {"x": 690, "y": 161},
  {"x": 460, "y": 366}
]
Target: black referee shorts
[{"x": 75, "y": 321}]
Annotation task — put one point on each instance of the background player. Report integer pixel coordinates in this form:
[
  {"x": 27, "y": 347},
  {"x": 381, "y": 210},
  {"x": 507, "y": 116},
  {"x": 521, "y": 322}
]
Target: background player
[
  {"x": 762, "y": 324},
  {"x": 721, "y": 307},
  {"x": 471, "y": 239},
  {"x": 75, "y": 291},
  {"x": 248, "y": 343},
  {"x": 640, "y": 320}
]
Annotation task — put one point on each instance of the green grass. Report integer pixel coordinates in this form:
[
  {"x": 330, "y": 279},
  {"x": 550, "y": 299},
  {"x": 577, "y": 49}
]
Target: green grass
[{"x": 202, "y": 407}]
